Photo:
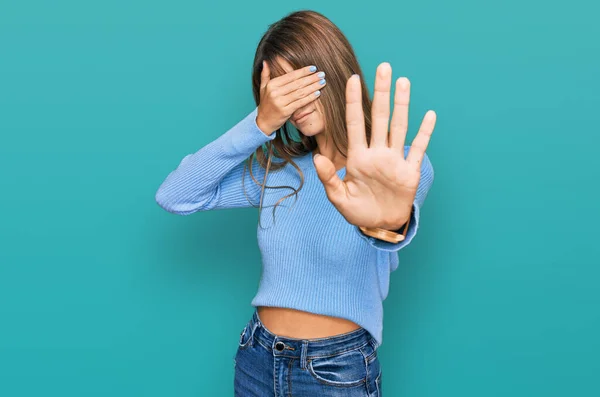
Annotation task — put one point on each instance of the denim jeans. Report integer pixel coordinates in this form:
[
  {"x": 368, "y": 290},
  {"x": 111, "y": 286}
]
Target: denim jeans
[{"x": 270, "y": 365}]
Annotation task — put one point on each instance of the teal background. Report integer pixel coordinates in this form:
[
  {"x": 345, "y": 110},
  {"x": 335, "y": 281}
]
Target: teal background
[{"x": 102, "y": 293}]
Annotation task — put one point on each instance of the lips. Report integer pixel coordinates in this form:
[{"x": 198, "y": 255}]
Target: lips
[{"x": 302, "y": 116}]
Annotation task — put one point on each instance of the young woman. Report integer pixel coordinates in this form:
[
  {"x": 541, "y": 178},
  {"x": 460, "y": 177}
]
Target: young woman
[{"x": 327, "y": 259}]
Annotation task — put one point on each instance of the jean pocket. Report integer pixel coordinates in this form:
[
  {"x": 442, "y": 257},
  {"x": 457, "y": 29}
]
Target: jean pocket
[
  {"x": 245, "y": 337},
  {"x": 343, "y": 370},
  {"x": 370, "y": 352}
]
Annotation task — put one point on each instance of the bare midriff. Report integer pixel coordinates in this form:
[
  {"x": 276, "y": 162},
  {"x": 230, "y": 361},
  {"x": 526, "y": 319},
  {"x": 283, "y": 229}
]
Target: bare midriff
[{"x": 299, "y": 324}]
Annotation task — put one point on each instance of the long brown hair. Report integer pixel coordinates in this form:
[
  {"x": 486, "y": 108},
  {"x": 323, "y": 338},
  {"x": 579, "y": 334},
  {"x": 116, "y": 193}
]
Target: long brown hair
[{"x": 304, "y": 38}]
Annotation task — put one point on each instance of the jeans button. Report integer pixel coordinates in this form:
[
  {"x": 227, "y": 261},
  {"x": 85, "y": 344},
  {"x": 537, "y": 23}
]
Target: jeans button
[{"x": 279, "y": 346}]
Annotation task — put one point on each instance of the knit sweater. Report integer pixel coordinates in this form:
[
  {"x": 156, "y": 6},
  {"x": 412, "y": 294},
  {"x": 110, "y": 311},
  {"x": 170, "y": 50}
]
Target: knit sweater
[{"x": 312, "y": 258}]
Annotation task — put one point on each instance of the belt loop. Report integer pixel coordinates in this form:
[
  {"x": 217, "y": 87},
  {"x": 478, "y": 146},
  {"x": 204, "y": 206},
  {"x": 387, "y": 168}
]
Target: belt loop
[
  {"x": 254, "y": 327},
  {"x": 373, "y": 343},
  {"x": 303, "y": 353}
]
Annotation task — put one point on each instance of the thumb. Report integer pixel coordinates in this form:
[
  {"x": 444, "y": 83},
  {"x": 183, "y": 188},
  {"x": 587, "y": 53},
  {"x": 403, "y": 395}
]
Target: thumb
[
  {"x": 334, "y": 186},
  {"x": 265, "y": 75}
]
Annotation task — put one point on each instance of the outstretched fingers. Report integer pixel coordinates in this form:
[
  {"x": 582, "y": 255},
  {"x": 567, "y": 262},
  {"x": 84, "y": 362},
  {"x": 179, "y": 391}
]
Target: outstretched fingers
[
  {"x": 355, "y": 119},
  {"x": 421, "y": 141},
  {"x": 334, "y": 186},
  {"x": 399, "y": 124},
  {"x": 380, "y": 109}
]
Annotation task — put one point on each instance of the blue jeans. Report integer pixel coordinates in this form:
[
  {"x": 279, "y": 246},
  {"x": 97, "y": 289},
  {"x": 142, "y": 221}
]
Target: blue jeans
[{"x": 270, "y": 365}]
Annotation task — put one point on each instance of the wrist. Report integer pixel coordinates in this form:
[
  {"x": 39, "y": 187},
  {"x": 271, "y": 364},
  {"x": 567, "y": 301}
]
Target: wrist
[
  {"x": 390, "y": 236},
  {"x": 265, "y": 129},
  {"x": 396, "y": 226}
]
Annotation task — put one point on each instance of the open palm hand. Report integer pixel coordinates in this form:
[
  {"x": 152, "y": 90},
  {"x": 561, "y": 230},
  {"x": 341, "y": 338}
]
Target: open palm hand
[{"x": 380, "y": 185}]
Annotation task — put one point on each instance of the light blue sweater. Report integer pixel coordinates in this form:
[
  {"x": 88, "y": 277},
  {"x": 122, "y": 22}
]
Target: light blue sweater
[{"x": 312, "y": 258}]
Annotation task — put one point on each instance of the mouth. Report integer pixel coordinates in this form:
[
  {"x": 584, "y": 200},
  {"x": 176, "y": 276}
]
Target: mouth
[{"x": 303, "y": 117}]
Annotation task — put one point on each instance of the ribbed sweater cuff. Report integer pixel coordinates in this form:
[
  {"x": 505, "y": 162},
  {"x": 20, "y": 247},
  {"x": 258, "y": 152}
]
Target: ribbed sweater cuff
[
  {"x": 392, "y": 247},
  {"x": 247, "y": 136}
]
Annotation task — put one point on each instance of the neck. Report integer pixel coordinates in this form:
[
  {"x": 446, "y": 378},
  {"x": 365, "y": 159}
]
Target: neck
[{"x": 328, "y": 150}]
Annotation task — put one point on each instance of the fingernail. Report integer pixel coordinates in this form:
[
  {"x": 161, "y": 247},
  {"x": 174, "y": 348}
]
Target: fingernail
[
  {"x": 313, "y": 68},
  {"x": 321, "y": 74},
  {"x": 322, "y": 81},
  {"x": 317, "y": 93}
]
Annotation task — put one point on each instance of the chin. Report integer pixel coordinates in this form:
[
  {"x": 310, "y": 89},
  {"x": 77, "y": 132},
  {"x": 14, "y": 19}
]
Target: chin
[{"x": 310, "y": 130}]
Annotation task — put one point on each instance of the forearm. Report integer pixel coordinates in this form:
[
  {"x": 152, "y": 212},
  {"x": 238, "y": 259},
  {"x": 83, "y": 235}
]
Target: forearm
[{"x": 198, "y": 180}]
